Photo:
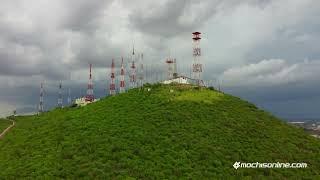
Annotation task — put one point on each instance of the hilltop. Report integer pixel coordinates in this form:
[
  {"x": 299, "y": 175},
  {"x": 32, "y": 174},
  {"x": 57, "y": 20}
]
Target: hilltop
[{"x": 158, "y": 131}]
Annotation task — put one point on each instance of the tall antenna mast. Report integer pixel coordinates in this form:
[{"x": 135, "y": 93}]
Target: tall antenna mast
[
  {"x": 175, "y": 73},
  {"x": 69, "y": 96},
  {"x": 90, "y": 96},
  {"x": 69, "y": 89},
  {"x": 141, "y": 75},
  {"x": 40, "y": 109},
  {"x": 122, "y": 83},
  {"x": 133, "y": 70},
  {"x": 170, "y": 70},
  {"x": 112, "y": 83},
  {"x": 60, "y": 95},
  {"x": 197, "y": 66}
]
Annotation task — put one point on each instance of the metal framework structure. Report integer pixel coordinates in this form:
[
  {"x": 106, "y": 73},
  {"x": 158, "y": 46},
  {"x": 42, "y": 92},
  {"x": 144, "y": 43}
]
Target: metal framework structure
[
  {"x": 40, "y": 108},
  {"x": 172, "y": 68},
  {"x": 175, "y": 72},
  {"x": 141, "y": 72},
  {"x": 69, "y": 96},
  {"x": 197, "y": 66},
  {"x": 133, "y": 76},
  {"x": 60, "y": 95},
  {"x": 112, "y": 88},
  {"x": 90, "y": 97},
  {"x": 122, "y": 88}
]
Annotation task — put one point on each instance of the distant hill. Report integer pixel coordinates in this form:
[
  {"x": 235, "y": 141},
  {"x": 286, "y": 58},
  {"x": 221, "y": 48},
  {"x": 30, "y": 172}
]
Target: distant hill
[{"x": 159, "y": 131}]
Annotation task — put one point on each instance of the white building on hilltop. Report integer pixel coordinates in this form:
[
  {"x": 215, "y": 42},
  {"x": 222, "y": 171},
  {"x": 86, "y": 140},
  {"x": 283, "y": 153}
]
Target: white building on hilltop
[
  {"x": 183, "y": 80},
  {"x": 82, "y": 101}
]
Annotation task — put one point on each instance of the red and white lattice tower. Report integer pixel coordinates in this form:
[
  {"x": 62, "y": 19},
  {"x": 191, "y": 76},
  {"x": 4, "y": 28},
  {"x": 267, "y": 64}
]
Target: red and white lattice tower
[
  {"x": 112, "y": 82},
  {"x": 60, "y": 95},
  {"x": 90, "y": 97},
  {"x": 133, "y": 75},
  {"x": 40, "y": 109},
  {"x": 197, "y": 66},
  {"x": 141, "y": 73},
  {"x": 122, "y": 83},
  {"x": 170, "y": 65}
]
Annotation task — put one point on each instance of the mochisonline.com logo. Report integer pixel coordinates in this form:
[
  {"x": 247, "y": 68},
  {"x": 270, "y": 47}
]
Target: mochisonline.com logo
[{"x": 237, "y": 165}]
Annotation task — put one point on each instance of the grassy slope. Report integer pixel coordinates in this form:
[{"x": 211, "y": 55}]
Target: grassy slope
[
  {"x": 187, "y": 133},
  {"x": 4, "y": 123}
]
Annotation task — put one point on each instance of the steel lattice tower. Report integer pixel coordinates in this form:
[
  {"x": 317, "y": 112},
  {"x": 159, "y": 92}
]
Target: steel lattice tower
[
  {"x": 175, "y": 72},
  {"x": 60, "y": 95},
  {"x": 69, "y": 96},
  {"x": 133, "y": 71},
  {"x": 141, "y": 73},
  {"x": 122, "y": 81},
  {"x": 112, "y": 83},
  {"x": 69, "y": 100},
  {"x": 133, "y": 75},
  {"x": 90, "y": 96},
  {"x": 40, "y": 109},
  {"x": 197, "y": 66},
  {"x": 170, "y": 69}
]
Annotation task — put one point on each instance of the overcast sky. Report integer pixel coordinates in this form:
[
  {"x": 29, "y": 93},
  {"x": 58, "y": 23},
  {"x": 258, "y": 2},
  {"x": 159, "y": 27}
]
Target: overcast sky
[{"x": 265, "y": 51}]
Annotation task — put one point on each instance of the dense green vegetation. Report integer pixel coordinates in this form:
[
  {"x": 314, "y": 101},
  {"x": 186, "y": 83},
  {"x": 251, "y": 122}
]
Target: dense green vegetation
[
  {"x": 168, "y": 132},
  {"x": 4, "y": 123}
]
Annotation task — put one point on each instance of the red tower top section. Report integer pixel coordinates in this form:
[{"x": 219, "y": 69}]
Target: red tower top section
[
  {"x": 169, "y": 61},
  {"x": 196, "y": 36}
]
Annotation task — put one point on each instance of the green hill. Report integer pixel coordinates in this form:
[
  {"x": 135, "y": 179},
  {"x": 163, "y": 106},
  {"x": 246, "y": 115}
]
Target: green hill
[{"x": 168, "y": 132}]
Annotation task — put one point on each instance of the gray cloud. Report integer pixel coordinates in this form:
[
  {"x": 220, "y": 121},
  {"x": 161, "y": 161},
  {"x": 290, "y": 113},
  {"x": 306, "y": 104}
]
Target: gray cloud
[
  {"x": 277, "y": 85},
  {"x": 83, "y": 15},
  {"x": 174, "y": 18},
  {"x": 49, "y": 40},
  {"x": 271, "y": 73}
]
